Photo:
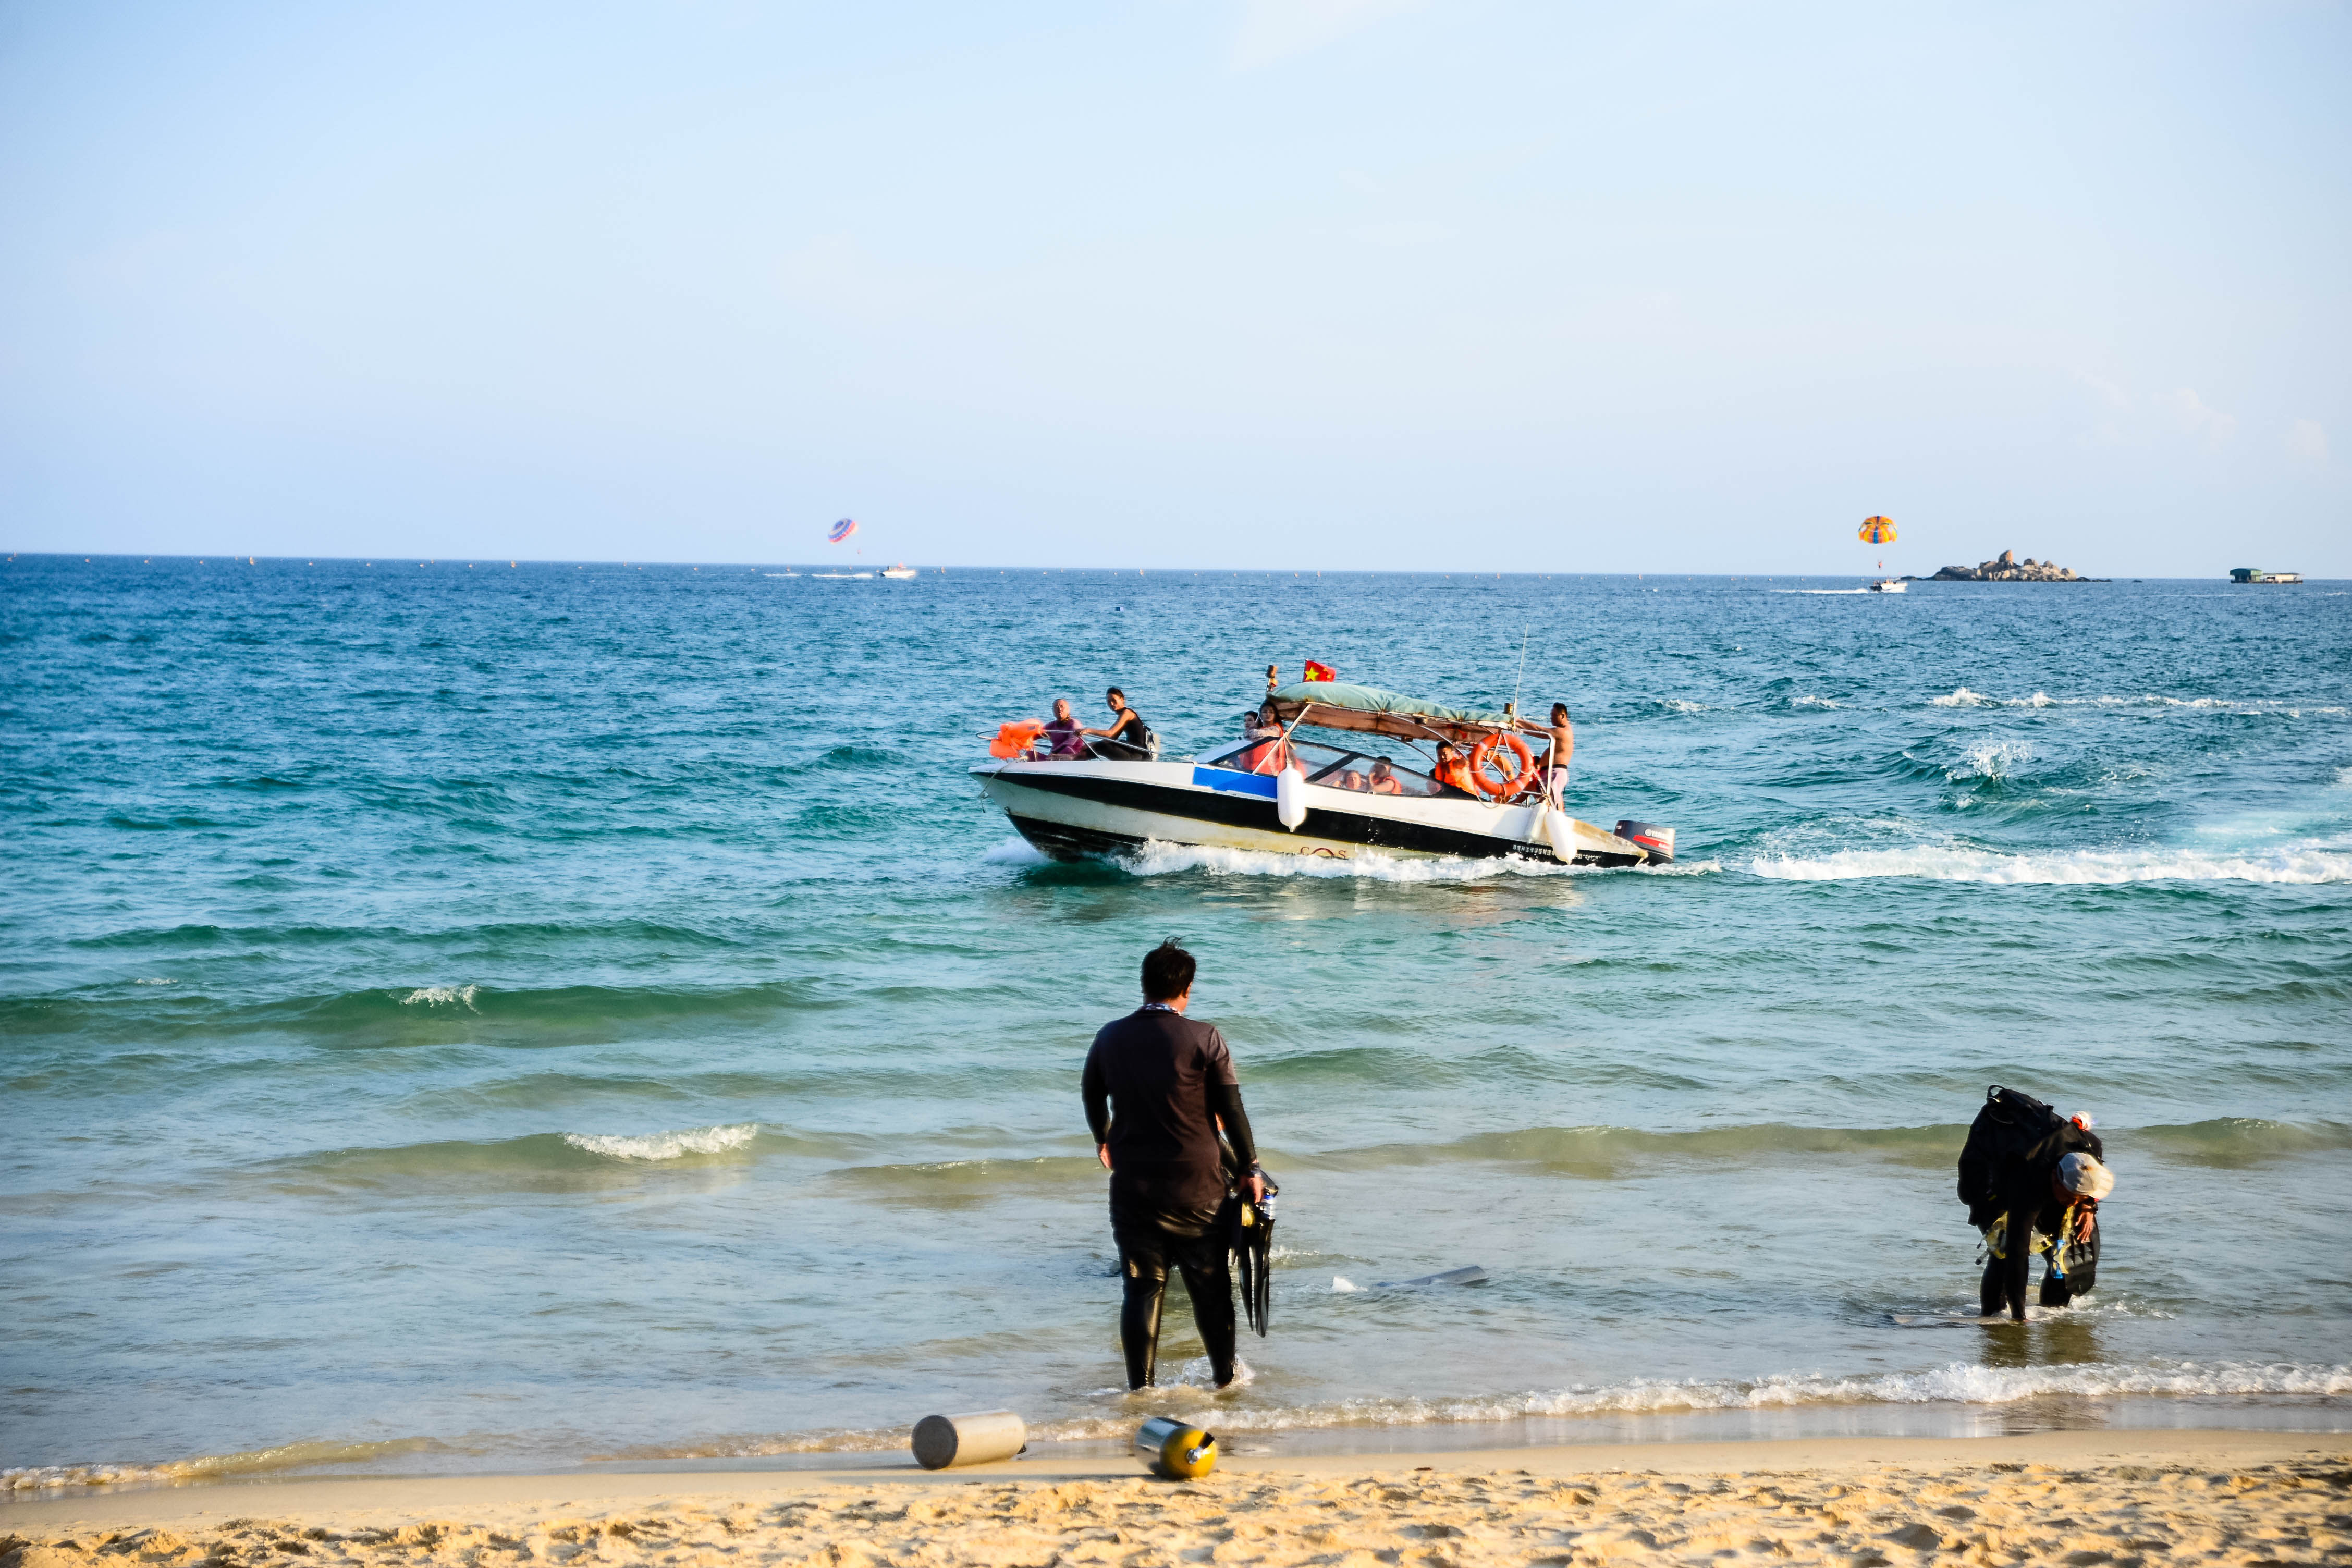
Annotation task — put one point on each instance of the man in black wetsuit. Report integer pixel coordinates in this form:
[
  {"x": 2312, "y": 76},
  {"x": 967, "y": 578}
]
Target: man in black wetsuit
[{"x": 1158, "y": 1085}]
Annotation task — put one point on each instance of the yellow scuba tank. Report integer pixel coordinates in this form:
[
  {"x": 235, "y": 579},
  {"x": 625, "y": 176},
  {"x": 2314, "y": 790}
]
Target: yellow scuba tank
[{"x": 1173, "y": 1449}]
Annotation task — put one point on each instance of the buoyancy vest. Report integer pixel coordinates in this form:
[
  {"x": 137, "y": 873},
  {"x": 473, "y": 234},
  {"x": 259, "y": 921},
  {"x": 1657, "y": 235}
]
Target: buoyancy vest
[{"x": 2013, "y": 1146}]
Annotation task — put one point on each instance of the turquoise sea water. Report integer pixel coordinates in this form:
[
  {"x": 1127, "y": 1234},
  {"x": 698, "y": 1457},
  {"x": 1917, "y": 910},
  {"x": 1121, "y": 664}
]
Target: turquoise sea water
[{"x": 477, "y": 1017}]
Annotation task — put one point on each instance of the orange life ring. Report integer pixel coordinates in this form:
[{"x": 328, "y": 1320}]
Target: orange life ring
[{"x": 1483, "y": 754}]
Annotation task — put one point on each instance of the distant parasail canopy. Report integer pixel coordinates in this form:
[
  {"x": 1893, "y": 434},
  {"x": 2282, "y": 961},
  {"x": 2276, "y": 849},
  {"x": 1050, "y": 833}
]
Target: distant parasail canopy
[
  {"x": 1878, "y": 530},
  {"x": 841, "y": 531}
]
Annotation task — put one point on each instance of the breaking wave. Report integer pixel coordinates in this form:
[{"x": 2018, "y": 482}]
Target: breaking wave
[
  {"x": 1993, "y": 760},
  {"x": 1964, "y": 698},
  {"x": 664, "y": 1145},
  {"x": 442, "y": 996},
  {"x": 1954, "y": 863}
]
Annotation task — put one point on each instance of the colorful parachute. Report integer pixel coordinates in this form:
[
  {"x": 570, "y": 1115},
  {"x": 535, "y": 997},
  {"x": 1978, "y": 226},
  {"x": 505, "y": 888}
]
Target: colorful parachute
[
  {"x": 1877, "y": 531},
  {"x": 841, "y": 531}
]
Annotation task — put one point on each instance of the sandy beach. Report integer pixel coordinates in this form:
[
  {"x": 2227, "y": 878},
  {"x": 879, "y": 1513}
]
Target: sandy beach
[{"x": 2077, "y": 1498}]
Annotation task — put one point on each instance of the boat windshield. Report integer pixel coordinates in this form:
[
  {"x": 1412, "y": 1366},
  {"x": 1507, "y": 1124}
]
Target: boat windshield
[{"x": 1336, "y": 767}]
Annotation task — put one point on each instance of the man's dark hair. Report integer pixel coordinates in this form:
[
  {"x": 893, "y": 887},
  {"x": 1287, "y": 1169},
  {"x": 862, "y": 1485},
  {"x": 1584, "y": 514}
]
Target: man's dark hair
[
  {"x": 1560, "y": 709},
  {"x": 1168, "y": 971}
]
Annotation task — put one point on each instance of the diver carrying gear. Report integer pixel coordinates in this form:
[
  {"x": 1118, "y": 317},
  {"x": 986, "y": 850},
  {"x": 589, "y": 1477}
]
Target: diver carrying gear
[
  {"x": 1159, "y": 1087},
  {"x": 1249, "y": 1231},
  {"x": 2024, "y": 1176}
]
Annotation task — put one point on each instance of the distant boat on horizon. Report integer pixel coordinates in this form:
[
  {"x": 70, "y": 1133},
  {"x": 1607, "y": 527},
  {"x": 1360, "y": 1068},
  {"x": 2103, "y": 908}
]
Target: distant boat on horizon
[{"x": 900, "y": 570}]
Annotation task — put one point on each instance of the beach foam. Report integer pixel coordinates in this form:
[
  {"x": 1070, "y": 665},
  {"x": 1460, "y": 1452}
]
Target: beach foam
[
  {"x": 666, "y": 1145},
  {"x": 256, "y": 1461},
  {"x": 442, "y": 996},
  {"x": 1956, "y": 1384},
  {"x": 1959, "y": 1383}
]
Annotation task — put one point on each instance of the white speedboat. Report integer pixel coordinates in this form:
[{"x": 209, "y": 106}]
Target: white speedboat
[
  {"x": 1362, "y": 782},
  {"x": 902, "y": 570},
  {"x": 1889, "y": 586}
]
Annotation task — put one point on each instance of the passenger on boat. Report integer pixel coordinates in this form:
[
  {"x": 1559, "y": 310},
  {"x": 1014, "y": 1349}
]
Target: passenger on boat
[
  {"x": 1128, "y": 739},
  {"x": 1272, "y": 752},
  {"x": 1452, "y": 767},
  {"x": 1068, "y": 740},
  {"x": 1563, "y": 746},
  {"x": 1384, "y": 780}
]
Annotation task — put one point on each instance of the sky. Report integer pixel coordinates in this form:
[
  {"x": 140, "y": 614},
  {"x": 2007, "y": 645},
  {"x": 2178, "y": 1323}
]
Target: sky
[{"x": 1330, "y": 284}]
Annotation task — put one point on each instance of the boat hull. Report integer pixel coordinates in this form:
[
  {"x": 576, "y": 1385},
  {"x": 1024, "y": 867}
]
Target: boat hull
[{"x": 1072, "y": 810}]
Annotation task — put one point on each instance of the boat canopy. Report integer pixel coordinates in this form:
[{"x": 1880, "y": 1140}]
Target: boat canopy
[{"x": 1335, "y": 705}]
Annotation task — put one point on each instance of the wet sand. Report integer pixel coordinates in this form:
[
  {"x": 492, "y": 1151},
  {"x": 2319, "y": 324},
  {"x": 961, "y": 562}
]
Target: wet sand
[{"x": 2065, "y": 1497}]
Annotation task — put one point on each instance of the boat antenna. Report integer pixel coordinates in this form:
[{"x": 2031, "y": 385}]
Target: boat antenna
[{"x": 1514, "y": 708}]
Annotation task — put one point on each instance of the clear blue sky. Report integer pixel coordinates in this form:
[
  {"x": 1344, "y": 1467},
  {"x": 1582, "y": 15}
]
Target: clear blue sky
[{"x": 1302, "y": 283}]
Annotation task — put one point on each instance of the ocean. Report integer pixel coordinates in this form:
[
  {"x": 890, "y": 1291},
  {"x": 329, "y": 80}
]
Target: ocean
[{"x": 458, "y": 1016}]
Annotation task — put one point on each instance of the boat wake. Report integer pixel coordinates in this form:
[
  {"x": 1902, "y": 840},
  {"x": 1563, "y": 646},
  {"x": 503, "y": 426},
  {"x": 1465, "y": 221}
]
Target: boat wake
[
  {"x": 1954, "y": 863},
  {"x": 1157, "y": 859}
]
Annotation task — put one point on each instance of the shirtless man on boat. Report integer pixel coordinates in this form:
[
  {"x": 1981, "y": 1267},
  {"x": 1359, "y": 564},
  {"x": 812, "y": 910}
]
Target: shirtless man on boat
[{"x": 1562, "y": 735}]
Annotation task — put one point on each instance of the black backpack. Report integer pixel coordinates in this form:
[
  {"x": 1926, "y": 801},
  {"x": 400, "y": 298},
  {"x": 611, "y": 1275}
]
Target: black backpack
[{"x": 2014, "y": 1139}]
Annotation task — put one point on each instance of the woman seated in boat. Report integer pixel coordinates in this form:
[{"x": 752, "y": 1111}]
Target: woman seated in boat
[
  {"x": 1384, "y": 780},
  {"x": 1126, "y": 739},
  {"x": 1272, "y": 752}
]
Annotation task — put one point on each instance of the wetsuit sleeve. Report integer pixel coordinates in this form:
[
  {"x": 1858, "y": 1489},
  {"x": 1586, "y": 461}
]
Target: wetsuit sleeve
[
  {"x": 1095, "y": 1086},
  {"x": 1225, "y": 1099}
]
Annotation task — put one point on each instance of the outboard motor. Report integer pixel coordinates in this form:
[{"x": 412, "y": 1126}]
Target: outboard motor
[{"x": 1659, "y": 841}]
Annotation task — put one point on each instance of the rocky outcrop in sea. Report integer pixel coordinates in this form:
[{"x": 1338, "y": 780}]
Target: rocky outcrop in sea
[{"x": 2007, "y": 568}]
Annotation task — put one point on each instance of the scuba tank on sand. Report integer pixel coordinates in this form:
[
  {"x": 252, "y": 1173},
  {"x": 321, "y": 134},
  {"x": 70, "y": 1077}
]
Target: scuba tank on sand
[{"x": 1175, "y": 1450}]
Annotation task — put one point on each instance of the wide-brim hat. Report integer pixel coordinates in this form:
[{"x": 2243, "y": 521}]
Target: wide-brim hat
[{"x": 2082, "y": 1176}]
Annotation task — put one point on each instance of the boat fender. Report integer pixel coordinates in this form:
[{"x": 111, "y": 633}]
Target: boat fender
[
  {"x": 1560, "y": 830},
  {"x": 1172, "y": 1449},
  {"x": 974, "y": 1437},
  {"x": 1290, "y": 798},
  {"x": 1659, "y": 841}
]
